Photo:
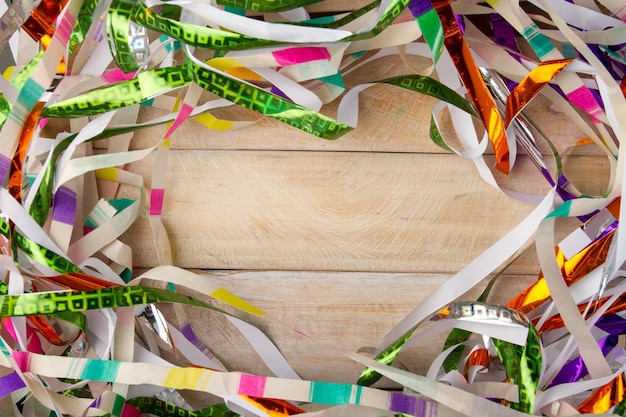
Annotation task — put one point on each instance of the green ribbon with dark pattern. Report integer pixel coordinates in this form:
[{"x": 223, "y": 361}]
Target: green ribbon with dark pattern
[
  {"x": 36, "y": 252},
  {"x": 76, "y": 318},
  {"x": 388, "y": 356},
  {"x": 523, "y": 367},
  {"x": 5, "y": 109},
  {"x": 154, "y": 406},
  {"x": 393, "y": 11},
  {"x": 122, "y": 12},
  {"x": 267, "y": 6},
  {"x": 431, "y": 87},
  {"x": 82, "y": 25},
  {"x": 151, "y": 83},
  {"x": 264, "y": 102},
  {"x": 20, "y": 79},
  {"x": 118, "y": 28},
  {"x": 146, "y": 85},
  {"x": 80, "y": 301}
]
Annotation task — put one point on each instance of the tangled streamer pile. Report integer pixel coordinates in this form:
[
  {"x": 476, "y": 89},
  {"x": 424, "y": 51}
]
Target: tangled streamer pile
[{"x": 80, "y": 336}]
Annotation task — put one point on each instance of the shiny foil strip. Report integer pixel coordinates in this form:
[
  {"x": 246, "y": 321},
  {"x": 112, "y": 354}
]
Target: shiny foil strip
[{"x": 469, "y": 73}]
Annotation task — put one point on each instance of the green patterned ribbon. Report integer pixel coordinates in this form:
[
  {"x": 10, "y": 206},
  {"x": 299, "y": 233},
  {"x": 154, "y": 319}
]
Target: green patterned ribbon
[
  {"x": 43, "y": 255},
  {"x": 79, "y": 301},
  {"x": 146, "y": 85},
  {"x": 76, "y": 318},
  {"x": 261, "y": 101},
  {"x": 151, "y": 83},
  {"x": 122, "y": 12},
  {"x": 437, "y": 137},
  {"x": 428, "y": 86},
  {"x": 150, "y": 405},
  {"x": 393, "y": 10},
  {"x": 37, "y": 252},
  {"x": 20, "y": 79},
  {"x": 369, "y": 376},
  {"x": 118, "y": 28},
  {"x": 154, "y": 82},
  {"x": 81, "y": 27},
  {"x": 5, "y": 109},
  {"x": 42, "y": 201},
  {"x": 523, "y": 367},
  {"x": 431, "y": 87},
  {"x": 267, "y": 6},
  {"x": 192, "y": 35}
]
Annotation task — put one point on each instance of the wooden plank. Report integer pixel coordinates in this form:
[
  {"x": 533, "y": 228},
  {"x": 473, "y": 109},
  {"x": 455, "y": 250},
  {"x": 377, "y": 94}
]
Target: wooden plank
[
  {"x": 331, "y": 211},
  {"x": 345, "y": 310}
]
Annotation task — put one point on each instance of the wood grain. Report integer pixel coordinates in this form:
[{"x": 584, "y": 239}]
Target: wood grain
[
  {"x": 331, "y": 211},
  {"x": 340, "y": 238}
]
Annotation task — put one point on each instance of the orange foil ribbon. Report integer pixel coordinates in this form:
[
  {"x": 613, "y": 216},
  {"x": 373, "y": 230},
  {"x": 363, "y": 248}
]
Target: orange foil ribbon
[
  {"x": 41, "y": 25},
  {"x": 556, "y": 321},
  {"x": 15, "y": 178},
  {"x": 42, "y": 325},
  {"x": 479, "y": 357},
  {"x": 572, "y": 269},
  {"x": 15, "y": 186},
  {"x": 531, "y": 85},
  {"x": 604, "y": 397},
  {"x": 474, "y": 83},
  {"x": 274, "y": 407},
  {"x": 77, "y": 281},
  {"x": 41, "y": 21}
]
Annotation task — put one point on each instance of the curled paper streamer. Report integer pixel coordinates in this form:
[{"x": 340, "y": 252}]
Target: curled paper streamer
[{"x": 79, "y": 336}]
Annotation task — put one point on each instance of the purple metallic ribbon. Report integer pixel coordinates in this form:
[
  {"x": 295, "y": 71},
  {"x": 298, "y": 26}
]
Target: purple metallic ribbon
[{"x": 575, "y": 369}]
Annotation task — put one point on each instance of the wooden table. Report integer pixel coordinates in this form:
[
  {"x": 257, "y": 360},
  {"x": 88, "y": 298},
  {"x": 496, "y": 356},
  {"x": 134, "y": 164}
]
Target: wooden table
[{"x": 341, "y": 238}]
